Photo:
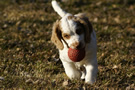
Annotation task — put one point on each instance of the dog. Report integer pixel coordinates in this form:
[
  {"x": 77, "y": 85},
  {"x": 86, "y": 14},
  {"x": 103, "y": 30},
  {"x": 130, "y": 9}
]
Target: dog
[{"x": 76, "y": 32}]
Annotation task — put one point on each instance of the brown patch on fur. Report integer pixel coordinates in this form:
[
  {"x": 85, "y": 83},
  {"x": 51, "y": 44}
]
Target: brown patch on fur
[
  {"x": 80, "y": 29},
  {"x": 56, "y": 35},
  {"x": 87, "y": 25},
  {"x": 66, "y": 36},
  {"x": 70, "y": 17}
]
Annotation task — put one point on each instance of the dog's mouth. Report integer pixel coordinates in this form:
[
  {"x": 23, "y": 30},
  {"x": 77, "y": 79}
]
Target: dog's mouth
[
  {"x": 76, "y": 55},
  {"x": 78, "y": 48}
]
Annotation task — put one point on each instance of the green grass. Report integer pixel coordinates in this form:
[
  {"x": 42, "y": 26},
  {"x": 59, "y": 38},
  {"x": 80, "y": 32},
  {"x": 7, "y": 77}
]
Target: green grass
[{"x": 27, "y": 56}]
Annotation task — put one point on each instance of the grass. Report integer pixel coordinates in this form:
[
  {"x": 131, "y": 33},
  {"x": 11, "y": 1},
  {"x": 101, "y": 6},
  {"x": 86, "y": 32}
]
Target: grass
[{"x": 28, "y": 58}]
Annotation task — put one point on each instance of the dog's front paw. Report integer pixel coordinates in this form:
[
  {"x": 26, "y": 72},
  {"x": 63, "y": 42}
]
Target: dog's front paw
[{"x": 74, "y": 75}]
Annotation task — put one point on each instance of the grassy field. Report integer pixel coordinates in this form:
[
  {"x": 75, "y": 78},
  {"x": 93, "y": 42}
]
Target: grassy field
[{"x": 28, "y": 59}]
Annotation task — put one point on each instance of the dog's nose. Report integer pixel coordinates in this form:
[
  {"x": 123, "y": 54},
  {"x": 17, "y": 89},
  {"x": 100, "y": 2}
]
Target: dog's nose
[{"x": 76, "y": 45}]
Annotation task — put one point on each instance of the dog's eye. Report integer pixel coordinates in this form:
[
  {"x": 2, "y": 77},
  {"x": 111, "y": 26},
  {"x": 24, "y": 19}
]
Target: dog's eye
[
  {"x": 66, "y": 36},
  {"x": 79, "y": 31}
]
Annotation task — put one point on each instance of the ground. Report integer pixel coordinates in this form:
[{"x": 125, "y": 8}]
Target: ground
[{"x": 29, "y": 60}]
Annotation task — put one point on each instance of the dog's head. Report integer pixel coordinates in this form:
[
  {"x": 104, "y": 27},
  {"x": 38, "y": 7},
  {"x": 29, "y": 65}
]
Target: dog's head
[{"x": 73, "y": 30}]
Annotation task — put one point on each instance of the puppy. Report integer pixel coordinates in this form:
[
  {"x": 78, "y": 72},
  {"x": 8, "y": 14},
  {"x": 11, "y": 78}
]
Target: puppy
[{"x": 76, "y": 32}]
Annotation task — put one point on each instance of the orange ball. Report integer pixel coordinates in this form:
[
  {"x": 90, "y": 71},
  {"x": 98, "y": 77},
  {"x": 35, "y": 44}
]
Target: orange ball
[{"x": 76, "y": 55}]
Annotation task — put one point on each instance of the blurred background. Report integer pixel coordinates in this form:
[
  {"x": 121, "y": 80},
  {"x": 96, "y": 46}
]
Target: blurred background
[{"x": 28, "y": 59}]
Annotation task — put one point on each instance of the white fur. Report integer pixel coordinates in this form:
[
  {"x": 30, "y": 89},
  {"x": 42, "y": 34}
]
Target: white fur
[
  {"x": 69, "y": 27},
  {"x": 58, "y": 9},
  {"x": 90, "y": 60}
]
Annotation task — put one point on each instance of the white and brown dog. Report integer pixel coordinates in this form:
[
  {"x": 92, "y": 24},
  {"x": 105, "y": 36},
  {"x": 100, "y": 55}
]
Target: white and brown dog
[{"x": 76, "y": 32}]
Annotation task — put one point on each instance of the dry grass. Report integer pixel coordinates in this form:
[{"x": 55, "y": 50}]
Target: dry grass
[{"x": 28, "y": 58}]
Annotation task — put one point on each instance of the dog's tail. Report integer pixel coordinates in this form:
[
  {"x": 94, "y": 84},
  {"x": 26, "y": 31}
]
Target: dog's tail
[{"x": 58, "y": 9}]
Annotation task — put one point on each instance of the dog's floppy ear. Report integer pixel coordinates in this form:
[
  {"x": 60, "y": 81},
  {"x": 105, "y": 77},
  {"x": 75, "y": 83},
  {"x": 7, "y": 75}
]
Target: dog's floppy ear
[
  {"x": 88, "y": 27},
  {"x": 56, "y": 35}
]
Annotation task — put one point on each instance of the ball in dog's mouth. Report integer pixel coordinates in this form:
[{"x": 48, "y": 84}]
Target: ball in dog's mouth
[{"x": 76, "y": 55}]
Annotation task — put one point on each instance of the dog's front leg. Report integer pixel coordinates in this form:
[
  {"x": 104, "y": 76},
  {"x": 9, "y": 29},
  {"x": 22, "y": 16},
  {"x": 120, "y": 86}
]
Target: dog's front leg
[
  {"x": 71, "y": 71},
  {"x": 91, "y": 72}
]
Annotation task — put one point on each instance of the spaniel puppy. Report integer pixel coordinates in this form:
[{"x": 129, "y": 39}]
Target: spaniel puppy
[{"x": 76, "y": 32}]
